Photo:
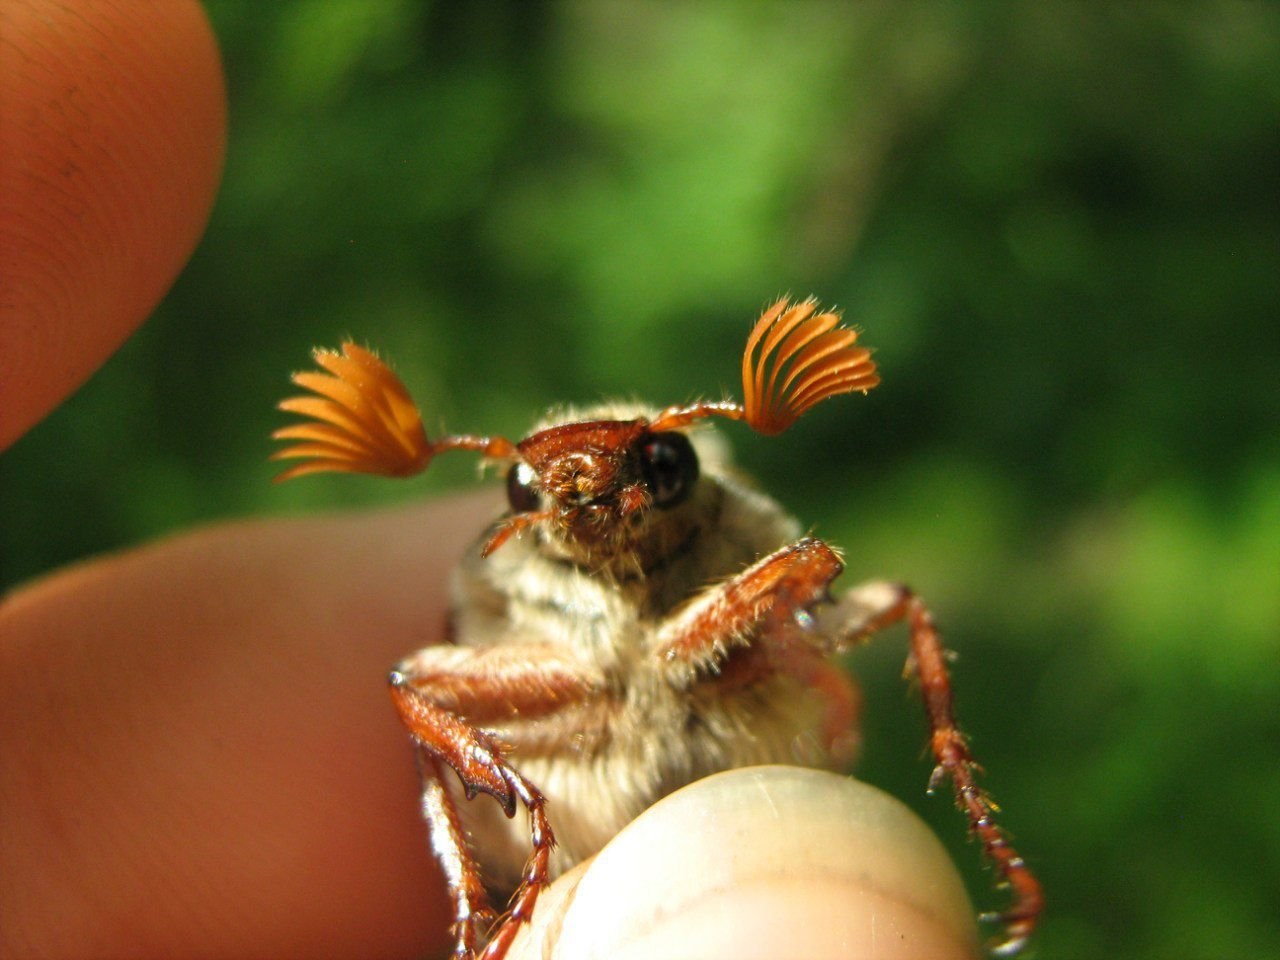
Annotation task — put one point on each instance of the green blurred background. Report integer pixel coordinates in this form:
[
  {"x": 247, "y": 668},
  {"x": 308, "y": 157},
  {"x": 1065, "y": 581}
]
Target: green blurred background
[{"x": 1060, "y": 227}]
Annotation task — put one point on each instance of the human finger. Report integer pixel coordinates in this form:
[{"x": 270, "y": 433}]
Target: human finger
[
  {"x": 762, "y": 862},
  {"x": 113, "y": 123},
  {"x": 198, "y": 756}
]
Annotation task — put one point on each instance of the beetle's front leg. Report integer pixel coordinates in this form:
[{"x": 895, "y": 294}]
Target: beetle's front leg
[
  {"x": 763, "y": 612},
  {"x": 445, "y": 696},
  {"x": 864, "y": 611}
]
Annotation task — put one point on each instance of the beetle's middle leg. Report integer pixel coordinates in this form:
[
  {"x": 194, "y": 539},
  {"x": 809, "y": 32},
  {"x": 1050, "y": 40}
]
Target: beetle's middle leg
[{"x": 445, "y": 696}]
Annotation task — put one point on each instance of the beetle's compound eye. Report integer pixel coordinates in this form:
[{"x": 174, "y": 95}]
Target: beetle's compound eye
[
  {"x": 522, "y": 490},
  {"x": 670, "y": 467}
]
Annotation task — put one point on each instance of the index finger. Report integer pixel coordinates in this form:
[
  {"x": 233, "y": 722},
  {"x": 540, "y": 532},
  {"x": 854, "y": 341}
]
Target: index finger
[{"x": 113, "y": 121}]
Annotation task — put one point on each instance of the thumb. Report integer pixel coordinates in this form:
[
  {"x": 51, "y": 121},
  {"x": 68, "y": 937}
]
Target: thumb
[{"x": 761, "y": 862}]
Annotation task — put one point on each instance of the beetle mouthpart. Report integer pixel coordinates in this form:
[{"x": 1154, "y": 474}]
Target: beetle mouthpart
[
  {"x": 633, "y": 501},
  {"x": 362, "y": 420},
  {"x": 514, "y": 524},
  {"x": 805, "y": 358}
]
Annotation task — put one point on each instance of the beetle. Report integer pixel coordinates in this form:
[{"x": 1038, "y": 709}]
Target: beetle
[{"x": 636, "y": 583}]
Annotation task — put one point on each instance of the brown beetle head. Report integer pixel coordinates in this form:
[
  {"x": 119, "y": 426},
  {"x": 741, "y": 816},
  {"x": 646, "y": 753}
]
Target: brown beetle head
[{"x": 591, "y": 485}]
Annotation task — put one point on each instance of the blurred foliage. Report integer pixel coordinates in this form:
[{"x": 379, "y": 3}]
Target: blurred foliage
[{"x": 1059, "y": 225}]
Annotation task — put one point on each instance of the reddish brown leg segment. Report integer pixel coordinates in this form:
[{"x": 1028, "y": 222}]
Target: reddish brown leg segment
[
  {"x": 770, "y": 593},
  {"x": 441, "y": 693},
  {"x": 472, "y": 913},
  {"x": 536, "y": 874},
  {"x": 766, "y": 607},
  {"x": 928, "y": 661}
]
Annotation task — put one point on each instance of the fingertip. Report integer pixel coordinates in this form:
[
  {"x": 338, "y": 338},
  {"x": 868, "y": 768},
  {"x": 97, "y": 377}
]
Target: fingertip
[
  {"x": 114, "y": 132},
  {"x": 768, "y": 862}
]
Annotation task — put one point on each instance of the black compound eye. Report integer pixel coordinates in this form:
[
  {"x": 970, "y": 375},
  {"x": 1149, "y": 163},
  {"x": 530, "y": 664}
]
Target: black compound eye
[
  {"x": 670, "y": 467},
  {"x": 522, "y": 490}
]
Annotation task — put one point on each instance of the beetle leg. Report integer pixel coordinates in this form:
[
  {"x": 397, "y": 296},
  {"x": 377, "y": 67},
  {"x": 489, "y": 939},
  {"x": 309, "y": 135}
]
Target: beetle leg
[
  {"x": 472, "y": 913},
  {"x": 842, "y": 706},
  {"x": 866, "y": 610},
  {"x": 763, "y": 612},
  {"x": 442, "y": 695},
  {"x": 697, "y": 640}
]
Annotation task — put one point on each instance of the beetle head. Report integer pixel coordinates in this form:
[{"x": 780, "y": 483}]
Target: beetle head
[{"x": 599, "y": 488}]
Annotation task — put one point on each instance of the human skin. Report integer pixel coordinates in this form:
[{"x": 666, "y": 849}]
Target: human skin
[
  {"x": 197, "y": 754},
  {"x": 111, "y": 143}
]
